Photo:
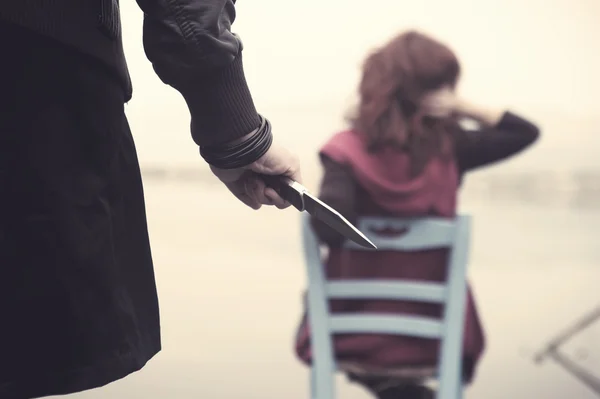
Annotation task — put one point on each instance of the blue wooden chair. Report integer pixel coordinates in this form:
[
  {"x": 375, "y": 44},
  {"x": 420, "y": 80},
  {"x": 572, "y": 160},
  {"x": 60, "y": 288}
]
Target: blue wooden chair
[{"x": 425, "y": 233}]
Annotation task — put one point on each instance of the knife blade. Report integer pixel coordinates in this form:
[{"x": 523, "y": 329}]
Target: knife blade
[{"x": 297, "y": 195}]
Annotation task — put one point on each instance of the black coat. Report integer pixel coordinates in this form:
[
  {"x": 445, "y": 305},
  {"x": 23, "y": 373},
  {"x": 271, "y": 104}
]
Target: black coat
[{"x": 78, "y": 302}]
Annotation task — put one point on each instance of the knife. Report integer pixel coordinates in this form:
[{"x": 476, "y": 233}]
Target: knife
[{"x": 297, "y": 195}]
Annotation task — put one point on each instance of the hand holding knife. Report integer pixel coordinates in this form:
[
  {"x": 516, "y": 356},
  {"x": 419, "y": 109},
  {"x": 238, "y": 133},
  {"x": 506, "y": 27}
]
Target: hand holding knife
[{"x": 276, "y": 168}]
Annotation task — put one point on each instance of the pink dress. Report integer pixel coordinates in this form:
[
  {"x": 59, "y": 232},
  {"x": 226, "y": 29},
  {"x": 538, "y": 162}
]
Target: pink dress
[{"x": 386, "y": 189}]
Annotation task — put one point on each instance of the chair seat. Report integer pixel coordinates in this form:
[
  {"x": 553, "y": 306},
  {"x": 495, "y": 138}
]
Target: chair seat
[{"x": 418, "y": 373}]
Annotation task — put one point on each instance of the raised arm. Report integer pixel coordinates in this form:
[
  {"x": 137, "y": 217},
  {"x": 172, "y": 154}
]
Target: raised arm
[
  {"x": 502, "y": 134},
  {"x": 192, "y": 49}
]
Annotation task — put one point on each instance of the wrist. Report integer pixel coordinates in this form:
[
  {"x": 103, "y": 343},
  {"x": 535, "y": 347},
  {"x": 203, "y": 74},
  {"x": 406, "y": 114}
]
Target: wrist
[
  {"x": 239, "y": 153},
  {"x": 484, "y": 115}
]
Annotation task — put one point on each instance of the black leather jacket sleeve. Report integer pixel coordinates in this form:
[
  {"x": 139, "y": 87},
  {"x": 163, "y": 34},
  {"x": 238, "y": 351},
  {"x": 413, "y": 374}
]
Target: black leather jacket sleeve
[{"x": 192, "y": 49}]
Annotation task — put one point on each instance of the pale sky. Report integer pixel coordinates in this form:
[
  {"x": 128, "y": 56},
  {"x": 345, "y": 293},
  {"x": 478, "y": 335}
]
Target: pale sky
[{"x": 302, "y": 58}]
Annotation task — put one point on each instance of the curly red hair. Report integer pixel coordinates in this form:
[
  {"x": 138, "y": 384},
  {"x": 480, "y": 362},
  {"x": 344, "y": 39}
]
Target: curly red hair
[{"x": 394, "y": 79}]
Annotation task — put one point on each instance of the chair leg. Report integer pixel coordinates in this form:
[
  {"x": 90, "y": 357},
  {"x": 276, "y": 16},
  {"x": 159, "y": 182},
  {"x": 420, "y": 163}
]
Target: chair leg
[
  {"x": 313, "y": 384},
  {"x": 324, "y": 390}
]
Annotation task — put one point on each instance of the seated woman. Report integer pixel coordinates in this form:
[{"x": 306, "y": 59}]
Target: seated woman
[{"x": 405, "y": 156}]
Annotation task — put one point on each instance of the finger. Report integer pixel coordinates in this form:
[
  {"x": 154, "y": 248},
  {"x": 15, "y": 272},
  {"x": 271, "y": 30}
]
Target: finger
[
  {"x": 255, "y": 188},
  {"x": 295, "y": 174},
  {"x": 260, "y": 186},
  {"x": 275, "y": 199},
  {"x": 248, "y": 189},
  {"x": 240, "y": 193},
  {"x": 268, "y": 201},
  {"x": 251, "y": 202},
  {"x": 294, "y": 171}
]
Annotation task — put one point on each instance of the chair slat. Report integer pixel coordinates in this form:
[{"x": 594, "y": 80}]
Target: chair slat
[
  {"x": 385, "y": 289},
  {"x": 415, "y": 326}
]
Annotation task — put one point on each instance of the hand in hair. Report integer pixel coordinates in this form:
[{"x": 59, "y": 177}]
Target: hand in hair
[
  {"x": 439, "y": 103},
  {"x": 444, "y": 102},
  {"x": 484, "y": 115}
]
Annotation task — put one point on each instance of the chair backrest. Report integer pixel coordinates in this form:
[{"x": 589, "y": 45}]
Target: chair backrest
[{"x": 417, "y": 234}]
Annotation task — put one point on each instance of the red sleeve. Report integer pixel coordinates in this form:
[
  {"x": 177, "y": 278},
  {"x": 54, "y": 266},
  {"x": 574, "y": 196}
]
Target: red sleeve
[{"x": 338, "y": 189}]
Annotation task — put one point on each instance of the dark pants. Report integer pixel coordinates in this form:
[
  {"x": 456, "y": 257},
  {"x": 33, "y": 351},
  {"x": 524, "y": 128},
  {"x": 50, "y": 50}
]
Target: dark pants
[{"x": 78, "y": 304}]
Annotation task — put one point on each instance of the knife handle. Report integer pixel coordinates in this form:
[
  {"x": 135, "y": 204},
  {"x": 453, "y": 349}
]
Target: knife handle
[{"x": 285, "y": 188}]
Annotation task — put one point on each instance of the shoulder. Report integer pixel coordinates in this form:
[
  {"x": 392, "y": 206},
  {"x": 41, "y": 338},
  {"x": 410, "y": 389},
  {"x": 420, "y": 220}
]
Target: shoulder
[{"x": 342, "y": 146}]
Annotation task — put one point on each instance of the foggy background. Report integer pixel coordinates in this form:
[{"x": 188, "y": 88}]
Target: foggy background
[{"x": 230, "y": 280}]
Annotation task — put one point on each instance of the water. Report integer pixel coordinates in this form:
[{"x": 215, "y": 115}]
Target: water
[{"x": 230, "y": 283}]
